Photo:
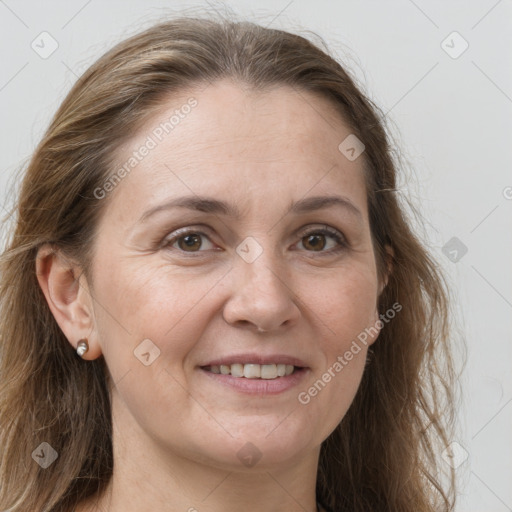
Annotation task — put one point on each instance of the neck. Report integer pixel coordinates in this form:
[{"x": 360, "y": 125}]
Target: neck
[
  {"x": 150, "y": 477},
  {"x": 197, "y": 488}
]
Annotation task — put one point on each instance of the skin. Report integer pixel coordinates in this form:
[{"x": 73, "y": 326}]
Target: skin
[{"x": 176, "y": 432}]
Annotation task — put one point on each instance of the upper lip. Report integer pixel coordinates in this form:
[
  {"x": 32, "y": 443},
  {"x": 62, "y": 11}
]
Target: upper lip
[{"x": 256, "y": 359}]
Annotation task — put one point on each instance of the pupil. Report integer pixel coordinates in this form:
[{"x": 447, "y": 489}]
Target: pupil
[
  {"x": 315, "y": 244},
  {"x": 190, "y": 240}
]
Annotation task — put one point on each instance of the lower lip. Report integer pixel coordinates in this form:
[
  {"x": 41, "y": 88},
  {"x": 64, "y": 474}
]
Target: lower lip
[{"x": 259, "y": 386}]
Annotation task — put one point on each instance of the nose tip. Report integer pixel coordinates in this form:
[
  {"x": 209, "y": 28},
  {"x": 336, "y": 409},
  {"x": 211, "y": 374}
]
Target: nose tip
[{"x": 260, "y": 298}]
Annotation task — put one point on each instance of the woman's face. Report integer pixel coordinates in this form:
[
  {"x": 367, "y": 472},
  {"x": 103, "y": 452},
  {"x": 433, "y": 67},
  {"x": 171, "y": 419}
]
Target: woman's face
[{"x": 181, "y": 289}]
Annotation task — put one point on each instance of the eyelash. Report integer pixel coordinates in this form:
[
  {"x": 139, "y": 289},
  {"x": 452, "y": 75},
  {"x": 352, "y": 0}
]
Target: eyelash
[{"x": 326, "y": 230}]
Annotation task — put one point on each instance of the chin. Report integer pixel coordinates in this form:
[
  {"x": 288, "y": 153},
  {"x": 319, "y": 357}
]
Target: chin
[{"x": 258, "y": 447}]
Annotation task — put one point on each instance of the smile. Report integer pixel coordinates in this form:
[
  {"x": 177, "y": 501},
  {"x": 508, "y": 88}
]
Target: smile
[{"x": 253, "y": 371}]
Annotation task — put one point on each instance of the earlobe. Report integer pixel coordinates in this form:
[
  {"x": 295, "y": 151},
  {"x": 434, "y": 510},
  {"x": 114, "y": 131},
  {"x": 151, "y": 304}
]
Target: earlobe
[
  {"x": 390, "y": 254},
  {"x": 374, "y": 328},
  {"x": 67, "y": 298}
]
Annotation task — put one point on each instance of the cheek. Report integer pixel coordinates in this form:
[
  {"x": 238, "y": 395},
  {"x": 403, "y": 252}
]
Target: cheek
[
  {"x": 345, "y": 309},
  {"x": 149, "y": 325},
  {"x": 136, "y": 303},
  {"x": 345, "y": 304}
]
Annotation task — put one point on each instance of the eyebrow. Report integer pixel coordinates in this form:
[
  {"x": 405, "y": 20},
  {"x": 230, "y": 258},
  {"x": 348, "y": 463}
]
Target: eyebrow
[{"x": 215, "y": 206}]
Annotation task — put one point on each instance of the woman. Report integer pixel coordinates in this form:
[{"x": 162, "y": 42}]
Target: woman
[{"x": 212, "y": 298}]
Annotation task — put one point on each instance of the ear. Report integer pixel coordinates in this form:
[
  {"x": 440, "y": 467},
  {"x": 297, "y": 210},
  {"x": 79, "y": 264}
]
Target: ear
[
  {"x": 390, "y": 254},
  {"x": 67, "y": 293}
]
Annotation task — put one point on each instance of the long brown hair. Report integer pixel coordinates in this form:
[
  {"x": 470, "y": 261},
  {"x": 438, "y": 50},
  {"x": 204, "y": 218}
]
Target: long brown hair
[{"x": 385, "y": 453}]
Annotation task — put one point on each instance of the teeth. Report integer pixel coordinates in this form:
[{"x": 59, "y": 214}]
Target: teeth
[
  {"x": 237, "y": 370},
  {"x": 268, "y": 371},
  {"x": 254, "y": 371}
]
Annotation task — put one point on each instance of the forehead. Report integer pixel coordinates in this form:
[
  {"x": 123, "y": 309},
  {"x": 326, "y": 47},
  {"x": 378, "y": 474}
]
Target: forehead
[
  {"x": 232, "y": 115},
  {"x": 227, "y": 135}
]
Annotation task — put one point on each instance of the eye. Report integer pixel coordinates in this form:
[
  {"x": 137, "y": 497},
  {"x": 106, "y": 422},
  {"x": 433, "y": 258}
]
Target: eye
[
  {"x": 190, "y": 240},
  {"x": 315, "y": 239},
  {"x": 187, "y": 240}
]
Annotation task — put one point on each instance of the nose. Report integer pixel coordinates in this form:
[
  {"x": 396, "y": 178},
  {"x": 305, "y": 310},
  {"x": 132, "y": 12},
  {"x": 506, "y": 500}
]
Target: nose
[{"x": 262, "y": 296}]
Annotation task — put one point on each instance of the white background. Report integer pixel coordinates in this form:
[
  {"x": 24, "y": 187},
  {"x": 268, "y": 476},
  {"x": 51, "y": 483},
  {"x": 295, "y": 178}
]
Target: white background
[{"x": 451, "y": 119}]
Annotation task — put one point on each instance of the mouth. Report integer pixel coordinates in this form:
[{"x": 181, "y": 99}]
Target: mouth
[
  {"x": 263, "y": 379},
  {"x": 253, "y": 370}
]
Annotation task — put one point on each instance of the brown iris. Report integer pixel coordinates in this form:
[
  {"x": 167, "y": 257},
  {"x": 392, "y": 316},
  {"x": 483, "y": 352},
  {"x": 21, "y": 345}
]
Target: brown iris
[
  {"x": 313, "y": 241},
  {"x": 190, "y": 241}
]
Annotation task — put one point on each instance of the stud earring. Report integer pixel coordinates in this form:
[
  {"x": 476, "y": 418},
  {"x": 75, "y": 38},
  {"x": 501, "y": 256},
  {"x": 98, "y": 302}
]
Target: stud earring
[{"x": 82, "y": 347}]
